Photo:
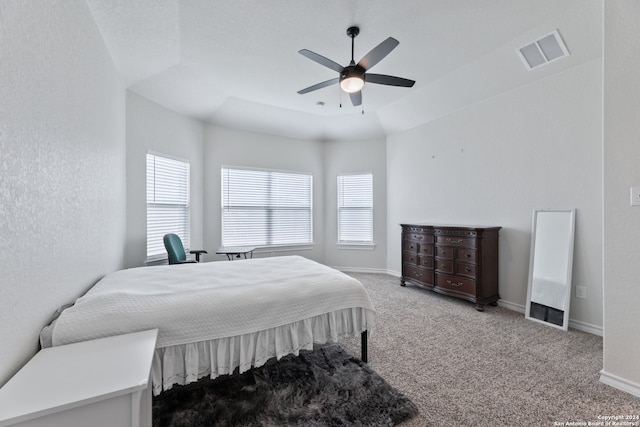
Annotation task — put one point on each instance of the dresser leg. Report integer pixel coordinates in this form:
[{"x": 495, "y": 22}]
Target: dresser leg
[
  {"x": 402, "y": 283},
  {"x": 480, "y": 307}
]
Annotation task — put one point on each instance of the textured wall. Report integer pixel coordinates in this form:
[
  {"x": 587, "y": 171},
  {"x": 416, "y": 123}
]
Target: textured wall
[
  {"x": 62, "y": 170},
  {"x": 229, "y": 147},
  {"x": 621, "y": 171},
  {"x": 151, "y": 127},
  {"x": 344, "y": 157},
  {"x": 492, "y": 163}
]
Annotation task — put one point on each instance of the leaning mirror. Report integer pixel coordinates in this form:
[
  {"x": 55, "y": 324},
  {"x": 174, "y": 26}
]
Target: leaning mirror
[{"x": 550, "y": 265}]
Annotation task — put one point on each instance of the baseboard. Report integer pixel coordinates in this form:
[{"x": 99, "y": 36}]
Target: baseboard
[
  {"x": 511, "y": 306},
  {"x": 620, "y": 383},
  {"x": 394, "y": 273},
  {"x": 586, "y": 327},
  {"x": 360, "y": 270},
  {"x": 573, "y": 324}
]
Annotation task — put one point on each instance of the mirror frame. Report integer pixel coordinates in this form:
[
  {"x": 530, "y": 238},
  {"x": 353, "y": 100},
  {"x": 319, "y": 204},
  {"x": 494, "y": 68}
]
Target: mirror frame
[{"x": 569, "y": 260}]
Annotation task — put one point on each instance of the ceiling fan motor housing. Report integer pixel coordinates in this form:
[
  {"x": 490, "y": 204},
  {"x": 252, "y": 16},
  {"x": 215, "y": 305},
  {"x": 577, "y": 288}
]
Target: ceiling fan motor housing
[{"x": 352, "y": 71}]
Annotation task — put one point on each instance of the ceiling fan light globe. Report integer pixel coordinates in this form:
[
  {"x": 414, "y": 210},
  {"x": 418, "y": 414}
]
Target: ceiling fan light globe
[{"x": 352, "y": 84}]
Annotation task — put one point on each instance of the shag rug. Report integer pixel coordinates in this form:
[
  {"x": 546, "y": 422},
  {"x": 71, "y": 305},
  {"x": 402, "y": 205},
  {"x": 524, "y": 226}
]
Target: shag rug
[{"x": 323, "y": 387}]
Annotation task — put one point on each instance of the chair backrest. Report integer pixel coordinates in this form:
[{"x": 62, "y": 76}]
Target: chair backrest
[{"x": 175, "y": 250}]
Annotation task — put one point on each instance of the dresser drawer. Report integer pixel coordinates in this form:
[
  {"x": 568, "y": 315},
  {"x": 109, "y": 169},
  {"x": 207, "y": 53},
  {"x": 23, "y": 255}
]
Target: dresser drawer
[
  {"x": 410, "y": 246},
  {"x": 444, "y": 252},
  {"x": 418, "y": 274},
  {"x": 467, "y": 242},
  {"x": 466, "y": 255},
  {"x": 464, "y": 269},
  {"x": 425, "y": 261},
  {"x": 444, "y": 266},
  {"x": 410, "y": 258},
  {"x": 417, "y": 260},
  {"x": 425, "y": 249},
  {"x": 467, "y": 286},
  {"x": 419, "y": 237}
]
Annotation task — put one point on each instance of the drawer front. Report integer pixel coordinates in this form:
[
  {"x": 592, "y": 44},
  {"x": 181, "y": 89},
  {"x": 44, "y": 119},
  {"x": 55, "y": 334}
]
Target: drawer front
[
  {"x": 444, "y": 266},
  {"x": 410, "y": 246},
  {"x": 444, "y": 252},
  {"x": 467, "y": 242},
  {"x": 466, "y": 255},
  {"x": 464, "y": 269},
  {"x": 459, "y": 284},
  {"x": 418, "y": 274},
  {"x": 410, "y": 258},
  {"x": 426, "y": 249},
  {"x": 425, "y": 261},
  {"x": 419, "y": 237}
]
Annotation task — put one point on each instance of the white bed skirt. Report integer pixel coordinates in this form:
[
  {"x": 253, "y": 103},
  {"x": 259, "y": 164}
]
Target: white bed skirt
[{"x": 186, "y": 363}]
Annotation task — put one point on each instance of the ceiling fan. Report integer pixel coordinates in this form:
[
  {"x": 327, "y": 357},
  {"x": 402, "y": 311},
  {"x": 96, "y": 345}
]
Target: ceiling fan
[{"x": 353, "y": 77}]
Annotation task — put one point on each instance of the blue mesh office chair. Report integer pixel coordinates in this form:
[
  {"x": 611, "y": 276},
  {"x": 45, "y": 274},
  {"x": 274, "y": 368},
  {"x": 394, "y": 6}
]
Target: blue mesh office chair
[{"x": 175, "y": 250}]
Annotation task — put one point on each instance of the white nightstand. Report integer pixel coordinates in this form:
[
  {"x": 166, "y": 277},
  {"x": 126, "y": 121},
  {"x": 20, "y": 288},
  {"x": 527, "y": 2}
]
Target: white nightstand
[{"x": 102, "y": 382}]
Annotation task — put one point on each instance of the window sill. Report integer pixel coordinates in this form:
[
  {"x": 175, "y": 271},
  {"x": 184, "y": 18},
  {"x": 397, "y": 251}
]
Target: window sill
[{"x": 356, "y": 246}]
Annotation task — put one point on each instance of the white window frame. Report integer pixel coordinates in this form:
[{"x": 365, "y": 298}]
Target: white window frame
[
  {"x": 362, "y": 202},
  {"x": 247, "y": 203},
  {"x": 172, "y": 194}
]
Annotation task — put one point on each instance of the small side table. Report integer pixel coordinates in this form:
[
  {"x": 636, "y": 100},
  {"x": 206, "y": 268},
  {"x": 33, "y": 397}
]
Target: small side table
[
  {"x": 102, "y": 382},
  {"x": 236, "y": 251}
]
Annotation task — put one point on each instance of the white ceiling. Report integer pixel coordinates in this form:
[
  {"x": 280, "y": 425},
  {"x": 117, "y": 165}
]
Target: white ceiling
[{"x": 236, "y": 63}]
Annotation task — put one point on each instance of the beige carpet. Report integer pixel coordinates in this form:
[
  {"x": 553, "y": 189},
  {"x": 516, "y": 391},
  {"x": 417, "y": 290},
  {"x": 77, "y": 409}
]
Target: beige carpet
[{"x": 462, "y": 367}]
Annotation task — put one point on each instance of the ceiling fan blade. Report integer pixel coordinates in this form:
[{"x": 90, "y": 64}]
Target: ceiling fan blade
[
  {"x": 356, "y": 98},
  {"x": 318, "y": 86},
  {"x": 383, "y": 79},
  {"x": 321, "y": 60},
  {"x": 376, "y": 54}
]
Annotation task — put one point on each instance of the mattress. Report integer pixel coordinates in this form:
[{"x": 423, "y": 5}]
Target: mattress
[{"x": 215, "y": 317}]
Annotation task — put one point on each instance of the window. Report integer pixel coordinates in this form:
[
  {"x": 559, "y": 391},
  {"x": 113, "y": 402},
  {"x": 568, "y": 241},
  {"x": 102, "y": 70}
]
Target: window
[
  {"x": 355, "y": 208},
  {"x": 167, "y": 202},
  {"x": 266, "y": 208}
]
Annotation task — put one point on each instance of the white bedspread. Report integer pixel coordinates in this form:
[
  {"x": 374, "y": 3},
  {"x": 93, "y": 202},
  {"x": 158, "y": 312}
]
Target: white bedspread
[{"x": 207, "y": 301}]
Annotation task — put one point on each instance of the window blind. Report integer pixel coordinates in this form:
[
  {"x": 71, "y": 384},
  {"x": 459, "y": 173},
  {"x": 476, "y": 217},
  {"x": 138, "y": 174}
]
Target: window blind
[
  {"x": 266, "y": 208},
  {"x": 355, "y": 208},
  {"x": 167, "y": 202}
]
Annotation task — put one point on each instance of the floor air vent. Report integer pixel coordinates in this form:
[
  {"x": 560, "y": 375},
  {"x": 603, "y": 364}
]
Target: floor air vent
[{"x": 547, "y": 49}]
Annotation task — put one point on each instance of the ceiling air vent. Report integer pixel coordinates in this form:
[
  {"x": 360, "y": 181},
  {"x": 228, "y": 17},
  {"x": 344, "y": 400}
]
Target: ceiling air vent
[{"x": 542, "y": 51}]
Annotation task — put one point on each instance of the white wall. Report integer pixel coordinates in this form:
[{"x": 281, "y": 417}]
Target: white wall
[
  {"x": 621, "y": 171},
  {"x": 62, "y": 166},
  {"x": 493, "y": 162},
  {"x": 346, "y": 157},
  {"x": 237, "y": 148},
  {"x": 151, "y": 127}
]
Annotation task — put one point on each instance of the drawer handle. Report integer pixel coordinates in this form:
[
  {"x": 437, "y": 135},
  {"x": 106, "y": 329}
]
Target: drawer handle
[
  {"x": 450, "y": 240},
  {"x": 417, "y": 236},
  {"x": 417, "y": 274},
  {"x": 452, "y": 283},
  {"x": 467, "y": 269},
  {"x": 468, "y": 255},
  {"x": 411, "y": 247},
  {"x": 444, "y": 265},
  {"x": 443, "y": 252}
]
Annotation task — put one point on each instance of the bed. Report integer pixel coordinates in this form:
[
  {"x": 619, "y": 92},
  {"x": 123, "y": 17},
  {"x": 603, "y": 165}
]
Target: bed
[{"x": 218, "y": 316}]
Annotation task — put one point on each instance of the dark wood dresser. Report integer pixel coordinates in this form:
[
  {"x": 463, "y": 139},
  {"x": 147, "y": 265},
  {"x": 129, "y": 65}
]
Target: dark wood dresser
[{"x": 459, "y": 261}]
